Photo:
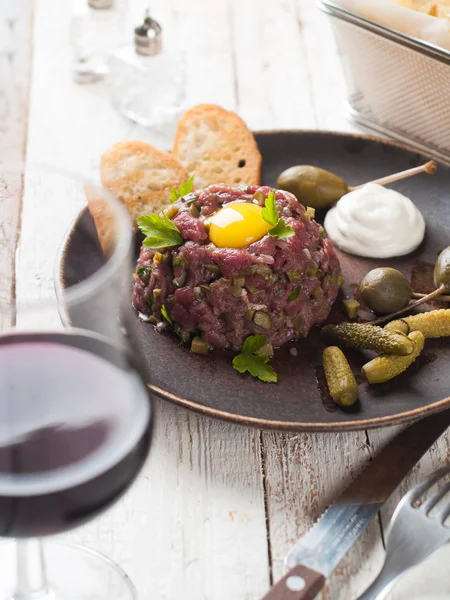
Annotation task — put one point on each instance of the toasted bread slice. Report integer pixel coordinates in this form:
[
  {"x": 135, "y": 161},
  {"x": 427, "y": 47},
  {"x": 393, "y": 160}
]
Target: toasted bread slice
[
  {"x": 106, "y": 219},
  {"x": 217, "y": 146},
  {"x": 141, "y": 176}
]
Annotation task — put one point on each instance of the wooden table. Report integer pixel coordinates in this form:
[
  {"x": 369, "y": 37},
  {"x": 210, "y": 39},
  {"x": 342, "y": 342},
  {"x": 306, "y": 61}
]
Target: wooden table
[{"x": 216, "y": 506}]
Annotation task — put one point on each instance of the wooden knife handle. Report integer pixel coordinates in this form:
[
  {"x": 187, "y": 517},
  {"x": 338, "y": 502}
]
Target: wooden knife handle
[{"x": 301, "y": 583}]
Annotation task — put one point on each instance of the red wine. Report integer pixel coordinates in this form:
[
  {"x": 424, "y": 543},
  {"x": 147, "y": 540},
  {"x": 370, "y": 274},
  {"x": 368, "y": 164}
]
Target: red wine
[{"x": 74, "y": 430}]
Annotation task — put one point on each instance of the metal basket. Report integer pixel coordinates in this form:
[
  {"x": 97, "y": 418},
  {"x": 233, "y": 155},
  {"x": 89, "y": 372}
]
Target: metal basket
[{"x": 397, "y": 85}]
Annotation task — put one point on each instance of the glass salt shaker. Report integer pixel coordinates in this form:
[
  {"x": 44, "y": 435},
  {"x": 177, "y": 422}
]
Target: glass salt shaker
[
  {"x": 96, "y": 30},
  {"x": 148, "y": 83}
]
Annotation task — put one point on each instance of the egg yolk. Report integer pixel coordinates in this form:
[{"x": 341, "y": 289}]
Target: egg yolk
[{"x": 237, "y": 225}]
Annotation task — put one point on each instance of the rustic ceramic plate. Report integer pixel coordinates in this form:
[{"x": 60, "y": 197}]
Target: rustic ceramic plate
[{"x": 298, "y": 403}]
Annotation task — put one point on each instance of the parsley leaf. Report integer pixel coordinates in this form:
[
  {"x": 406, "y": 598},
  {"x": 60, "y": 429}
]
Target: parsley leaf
[
  {"x": 254, "y": 343},
  {"x": 159, "y": 230},
  {"x": 295, "y": 294},
  {"x": 270, "y": 215},
  {"x": 255, "y": 364},
  {"x": 269, "y": 212},
  {"x": 185, "y": 188},
  {"x": 165, "y": 314},
  {"x": 281, "y": 230}
]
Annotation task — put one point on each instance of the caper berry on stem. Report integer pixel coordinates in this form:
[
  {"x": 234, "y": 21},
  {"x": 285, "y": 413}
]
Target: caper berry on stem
[
  {"x": 442, "y": 270},
  {"x": 318, "y": 188},
  {"x": 409, "y": 307},
  {"x": 385, "y": 290},
  {"x": 441, "y": 281},
  {"x": 429, "y": 168},
  {"x": 312, "y": 186},
  {"x": 441, "y": 277}
]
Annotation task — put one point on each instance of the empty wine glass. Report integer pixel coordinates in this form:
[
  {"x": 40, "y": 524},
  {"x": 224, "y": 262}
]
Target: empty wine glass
[{"x": 75, "y": 414}]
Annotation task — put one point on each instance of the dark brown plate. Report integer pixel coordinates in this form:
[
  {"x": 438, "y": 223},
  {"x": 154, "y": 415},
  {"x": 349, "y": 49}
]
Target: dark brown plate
[{"x": 210, "y": 384}]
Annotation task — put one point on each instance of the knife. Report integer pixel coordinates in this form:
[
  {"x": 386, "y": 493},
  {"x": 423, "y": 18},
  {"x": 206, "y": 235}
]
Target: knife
[{"x": 316, "y": 554}]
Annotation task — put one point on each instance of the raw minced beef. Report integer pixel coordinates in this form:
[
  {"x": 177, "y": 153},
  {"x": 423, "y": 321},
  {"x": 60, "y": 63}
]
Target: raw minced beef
[{"x": 278, "y": 288}]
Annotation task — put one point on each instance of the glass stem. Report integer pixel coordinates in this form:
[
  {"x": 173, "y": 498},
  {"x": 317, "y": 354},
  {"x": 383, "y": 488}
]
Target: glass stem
[{"x": 31, "y": 577}]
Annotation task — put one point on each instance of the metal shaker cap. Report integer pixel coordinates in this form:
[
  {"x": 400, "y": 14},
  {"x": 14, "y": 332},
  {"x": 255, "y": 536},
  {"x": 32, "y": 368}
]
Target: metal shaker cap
[
  {"x": 101, "y": 3},
  {"x": 148, "y": 37}
]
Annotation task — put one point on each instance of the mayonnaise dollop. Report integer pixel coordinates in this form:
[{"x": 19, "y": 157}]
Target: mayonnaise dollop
[{"x": 376, "y": 222}]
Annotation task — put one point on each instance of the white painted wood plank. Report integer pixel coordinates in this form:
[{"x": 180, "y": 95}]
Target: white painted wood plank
[
  {"x": 326, "y": 76},
  {"x": 304, "y": 474},
  {"x": 272, "y": 75},
  {"x": 194, "y": 524},
  {"x": 288, "y": 69},
  {"x": 204, "y": 28},
  {"x": 15, "y": 52}
]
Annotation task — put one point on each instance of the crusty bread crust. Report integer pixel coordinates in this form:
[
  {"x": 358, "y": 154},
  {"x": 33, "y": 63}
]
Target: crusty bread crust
[
  {"x": 216, "y": 146},
  {"x": 104, "y": 217},
  {"x": 141, "y": 176}
]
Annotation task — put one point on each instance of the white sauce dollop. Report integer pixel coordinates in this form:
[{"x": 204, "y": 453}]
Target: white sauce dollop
[{"x": 376, "y": 222}]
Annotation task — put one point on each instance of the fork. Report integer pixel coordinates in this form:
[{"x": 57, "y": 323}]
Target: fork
[{"x": 412, "y": 536}]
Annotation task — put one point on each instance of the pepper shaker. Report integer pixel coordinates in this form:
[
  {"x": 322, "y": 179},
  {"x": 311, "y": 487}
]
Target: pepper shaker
[{"x": 147, "y": 81}]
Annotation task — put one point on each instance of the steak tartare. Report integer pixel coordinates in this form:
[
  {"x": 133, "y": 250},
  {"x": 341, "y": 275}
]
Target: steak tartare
[{"x": 276, "y": 287}]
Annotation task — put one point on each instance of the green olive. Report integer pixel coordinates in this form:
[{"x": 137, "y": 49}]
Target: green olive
[
  {"x": 385, "y": 290},
  {"x": 312, "y": 186},
  {"x": 442, "y": 270}
]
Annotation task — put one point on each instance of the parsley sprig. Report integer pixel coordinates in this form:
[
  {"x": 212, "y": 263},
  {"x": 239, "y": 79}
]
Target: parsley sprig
[
  {"x": 270, "y": 215},
  {"x": 255, "y": 364},
  {"x": 185, "y": 188},
  {"x": 159, "y": 230}
]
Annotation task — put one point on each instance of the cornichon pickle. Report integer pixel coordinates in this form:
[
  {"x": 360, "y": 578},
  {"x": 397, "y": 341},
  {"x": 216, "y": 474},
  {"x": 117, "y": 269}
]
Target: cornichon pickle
[
  {"x": 260, "y": 197},
  {"x": 171, "y": 211},
  {"x": 262, "y": 319},
  {"x": 239, "y": 281},
  {"x": 362, "y": 335},
  {"x": 384, "y": 368},
  {"x": 433, "y": 324},
  {"x": 398, "y": 325},
  {"x": 193, "y": 211},
  {"x": 341, "y": 382},
  {"x": 351, "y": 307},
  {"x": 199, "y": 346},
  {"x": 213, "y": 269}
]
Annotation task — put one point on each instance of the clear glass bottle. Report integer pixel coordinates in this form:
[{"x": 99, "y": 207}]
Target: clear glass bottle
[
  {"x": 96, "y": 30},
  {"x": 148, "y": 84}
]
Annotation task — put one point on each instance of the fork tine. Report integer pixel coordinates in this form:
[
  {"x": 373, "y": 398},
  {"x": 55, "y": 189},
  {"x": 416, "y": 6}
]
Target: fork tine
[
  {"x": 420, "y": 489},
  {"x": 435, "y": 498}
]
